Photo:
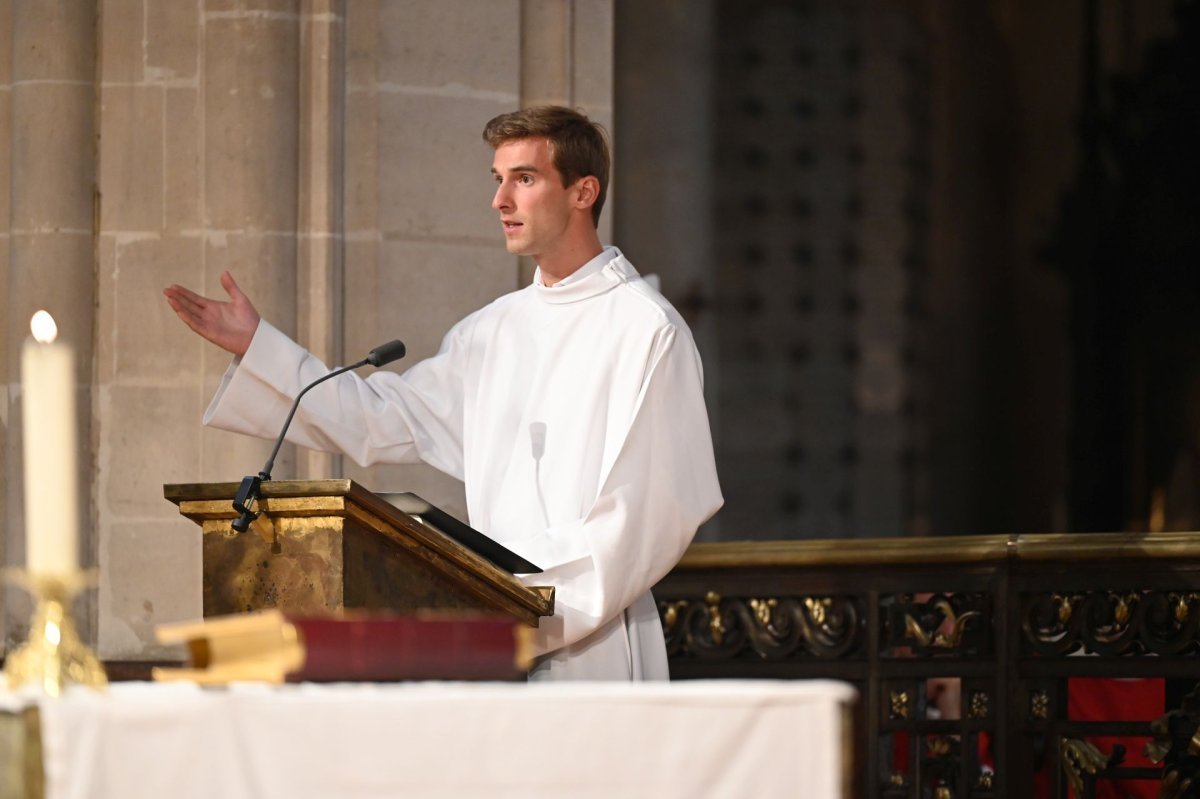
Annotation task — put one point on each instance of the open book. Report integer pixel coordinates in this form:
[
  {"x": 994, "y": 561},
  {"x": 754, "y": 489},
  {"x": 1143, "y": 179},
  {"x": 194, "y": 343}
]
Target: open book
[{"x": 461, "y": 532}]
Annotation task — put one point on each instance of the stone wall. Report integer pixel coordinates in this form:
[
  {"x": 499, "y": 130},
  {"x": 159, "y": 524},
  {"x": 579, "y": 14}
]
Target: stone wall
[
  {"x": 326, "y": 152},
  {"x": 47, "y": 180}
]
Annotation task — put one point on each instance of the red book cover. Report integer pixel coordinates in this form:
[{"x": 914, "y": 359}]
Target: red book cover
[
  {"x": 380, "y": 649},
  {"x": 271, "y": 646}
]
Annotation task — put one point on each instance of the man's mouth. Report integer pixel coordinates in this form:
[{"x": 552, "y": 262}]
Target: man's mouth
[{"x": 510, "y": 226}]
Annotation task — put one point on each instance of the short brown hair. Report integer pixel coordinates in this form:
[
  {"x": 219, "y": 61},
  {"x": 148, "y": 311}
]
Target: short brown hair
[{"x": 578, "y": 146}]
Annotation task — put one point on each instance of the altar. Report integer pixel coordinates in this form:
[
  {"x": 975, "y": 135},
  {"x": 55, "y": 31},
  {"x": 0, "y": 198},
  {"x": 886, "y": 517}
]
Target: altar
[{"x": 725, "y": 738}]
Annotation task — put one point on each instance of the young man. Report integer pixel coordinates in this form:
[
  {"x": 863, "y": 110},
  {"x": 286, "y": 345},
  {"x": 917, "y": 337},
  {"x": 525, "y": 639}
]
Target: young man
[{"x": 572, "y": 409}]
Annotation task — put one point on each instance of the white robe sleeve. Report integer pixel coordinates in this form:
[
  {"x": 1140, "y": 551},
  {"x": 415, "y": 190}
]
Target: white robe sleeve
[
  {"x": 660, "y": 487},
  {"x": 384, "y": 418}
]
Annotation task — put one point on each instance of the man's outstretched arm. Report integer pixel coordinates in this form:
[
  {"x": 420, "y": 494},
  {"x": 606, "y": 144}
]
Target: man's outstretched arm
[{"x": 228, "y": 324}]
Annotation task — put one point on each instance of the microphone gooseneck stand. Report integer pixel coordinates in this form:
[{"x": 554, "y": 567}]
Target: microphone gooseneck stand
[{"x": 249, "y": 492}]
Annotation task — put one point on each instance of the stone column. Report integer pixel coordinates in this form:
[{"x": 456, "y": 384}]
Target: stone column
[
  {"x": 422, "y": 246},
  {"x": 251, "y": 104},
  {"x": 319, "y": 297},
  {"x": 50, "y": 124},
  {"x": 567, "y": 59},
  {"x": 6, "y": 363},
  {"x": 567, "y": 55},
  {"x": 152, "y": 374},
  {"x": 200, "y": 147}
]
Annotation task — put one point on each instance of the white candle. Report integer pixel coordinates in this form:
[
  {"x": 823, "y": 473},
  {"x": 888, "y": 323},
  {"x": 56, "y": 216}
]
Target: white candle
[{"x": 51, "y": 491}]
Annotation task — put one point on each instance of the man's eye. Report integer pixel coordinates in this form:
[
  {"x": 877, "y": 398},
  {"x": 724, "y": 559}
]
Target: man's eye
[{"x": 526, "y": 179}]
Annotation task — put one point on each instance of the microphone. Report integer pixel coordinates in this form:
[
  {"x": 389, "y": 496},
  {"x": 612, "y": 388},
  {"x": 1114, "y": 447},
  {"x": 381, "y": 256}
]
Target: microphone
[
  {"x": 248, "y": 491},
  {"x": 537, "y": 439},
  {"x": 383, "y": 354}
]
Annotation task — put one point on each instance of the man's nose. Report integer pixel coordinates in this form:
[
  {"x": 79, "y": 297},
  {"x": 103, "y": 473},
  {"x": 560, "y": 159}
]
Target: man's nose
[{"x": 502, "y": 199}]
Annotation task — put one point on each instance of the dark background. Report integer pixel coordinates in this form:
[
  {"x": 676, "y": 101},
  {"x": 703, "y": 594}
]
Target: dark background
[{"x": 940, "y": 257}]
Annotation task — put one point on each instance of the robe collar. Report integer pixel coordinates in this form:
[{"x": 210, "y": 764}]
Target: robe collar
[{"x": 599, "y": 275}]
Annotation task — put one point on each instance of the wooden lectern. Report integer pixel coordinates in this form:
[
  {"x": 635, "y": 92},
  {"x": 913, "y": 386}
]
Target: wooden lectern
[{"x": 330, "y": 545}]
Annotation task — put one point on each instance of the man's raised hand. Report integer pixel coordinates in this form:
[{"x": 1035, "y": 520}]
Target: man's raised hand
[{"x": 228, "y": 324}]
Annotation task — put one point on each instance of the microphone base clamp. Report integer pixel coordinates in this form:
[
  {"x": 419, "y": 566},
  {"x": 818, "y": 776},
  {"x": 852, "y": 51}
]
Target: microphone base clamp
[{"x": 247, "y": 498}]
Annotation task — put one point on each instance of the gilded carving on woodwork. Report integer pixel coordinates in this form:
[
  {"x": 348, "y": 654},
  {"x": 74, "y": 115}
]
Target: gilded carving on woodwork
[
  {"x": 984, "y": 783},
  {"x": 716, "y": 627},
  {"x": 938, "y": 746},
  {"x": 773, "y": 628},
  {"x": 978, "y": 707},
  {"x": 1080, "y": 757},
  {"x": 900, "y": 704},
  {"x": 1121, "y": 608},
  {"x": 1065, "y": 606},
  {"x": 762, "y": 610},
  {"x": 949, "y": 632},
  {"x": 1039, "y": 705},
  {"x": 1111, "y": 623},
  {"x": 817, "y": 608},
  {"x": 942, "y": 763},
  {"x": 1183, "y": 606},
  {"x": 1176, "y": 745},
  {"x": 1175, "y": 787},
  {"x": 671, "y": 611},
  {"x": 943, "y": 624}
]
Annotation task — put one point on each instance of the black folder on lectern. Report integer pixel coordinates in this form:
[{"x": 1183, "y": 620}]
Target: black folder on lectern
[{"x": 461, "y": 532}]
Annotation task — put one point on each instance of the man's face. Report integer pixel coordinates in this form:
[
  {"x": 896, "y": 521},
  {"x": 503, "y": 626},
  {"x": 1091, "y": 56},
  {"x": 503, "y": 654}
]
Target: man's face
[{"x": 535, "y": 209}]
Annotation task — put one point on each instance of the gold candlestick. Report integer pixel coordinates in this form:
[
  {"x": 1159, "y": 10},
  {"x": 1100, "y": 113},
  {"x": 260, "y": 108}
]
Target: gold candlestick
[{"x": 54, "y": 656}]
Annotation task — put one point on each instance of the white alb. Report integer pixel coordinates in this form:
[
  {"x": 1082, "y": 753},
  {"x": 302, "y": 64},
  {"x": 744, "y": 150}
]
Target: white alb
[{"x": 575, "y": 416}]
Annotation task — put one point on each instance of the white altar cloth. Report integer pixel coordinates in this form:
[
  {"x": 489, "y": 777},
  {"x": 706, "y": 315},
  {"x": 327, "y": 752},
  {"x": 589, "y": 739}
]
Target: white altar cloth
[{"x": 580, "y": 740}]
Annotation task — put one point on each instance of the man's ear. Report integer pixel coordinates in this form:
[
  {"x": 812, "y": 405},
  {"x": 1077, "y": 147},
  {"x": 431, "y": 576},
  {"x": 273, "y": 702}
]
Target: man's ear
[{"x": 587, "y": 190}]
